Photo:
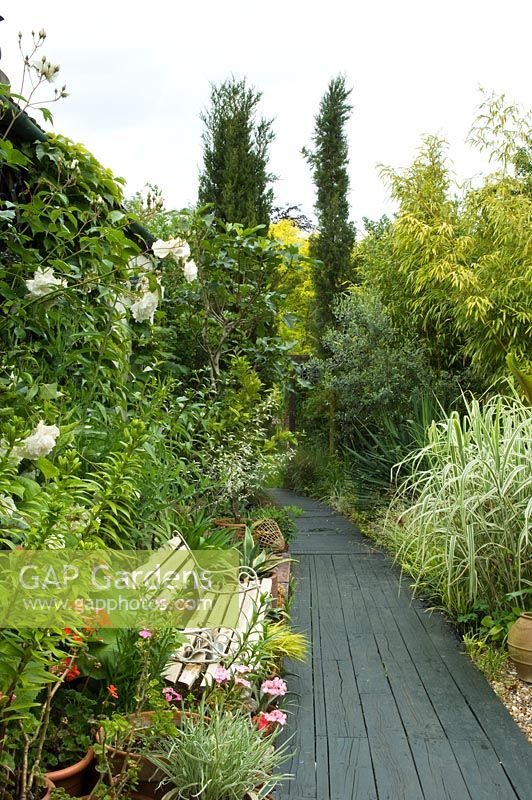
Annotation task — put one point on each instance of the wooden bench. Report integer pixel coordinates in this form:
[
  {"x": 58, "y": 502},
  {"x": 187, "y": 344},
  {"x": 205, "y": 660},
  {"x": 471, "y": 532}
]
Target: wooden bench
[{"x": 194, "y": 663}]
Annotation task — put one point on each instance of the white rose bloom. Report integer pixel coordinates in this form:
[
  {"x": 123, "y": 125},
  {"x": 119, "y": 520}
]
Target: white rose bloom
[
  {"x": 43, "y": 282},
  {"x": 177, "y": 248},
  {"x": 7, "y": 505},
  {"x": 39, "y": 444},
  {"x": 145, "y": 308},
  {"x": 191, "y": 271},
  {"x": 140, "y": 263}
]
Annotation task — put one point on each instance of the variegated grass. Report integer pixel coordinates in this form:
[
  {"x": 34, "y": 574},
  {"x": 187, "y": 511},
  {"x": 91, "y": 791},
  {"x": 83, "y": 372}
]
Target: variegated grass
[{"x": 460, "y": 523}]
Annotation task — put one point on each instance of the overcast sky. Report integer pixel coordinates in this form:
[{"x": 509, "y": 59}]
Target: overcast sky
[{"x": 139, "y": 73}]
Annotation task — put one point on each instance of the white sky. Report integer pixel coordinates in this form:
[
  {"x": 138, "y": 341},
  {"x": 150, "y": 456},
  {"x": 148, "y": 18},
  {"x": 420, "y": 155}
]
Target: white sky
[{"x": 139, "y": 75}]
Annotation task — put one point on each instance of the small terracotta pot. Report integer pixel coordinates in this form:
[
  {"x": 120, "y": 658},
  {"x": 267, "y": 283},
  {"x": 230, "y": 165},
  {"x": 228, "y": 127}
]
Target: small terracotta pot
[
  {"x": 73, "y": 779},
  {"x": 520, "y": 646}
]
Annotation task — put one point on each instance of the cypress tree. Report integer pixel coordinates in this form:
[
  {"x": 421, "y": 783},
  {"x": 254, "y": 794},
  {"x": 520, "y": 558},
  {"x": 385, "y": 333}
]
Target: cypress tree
[
  {"x": 334, "y": 243},
  {"x": 235, "y": 177}
]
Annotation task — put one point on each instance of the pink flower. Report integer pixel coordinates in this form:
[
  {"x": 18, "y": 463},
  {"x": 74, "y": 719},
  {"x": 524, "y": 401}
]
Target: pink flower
[
  {"x": 277, "y": 716},
  {"x": 276, "y": 687},
  {"x": 170, "y": 695},
  {"x": 266, "y": 719},
  {"x": 242, "y": 682},
  {"x": 145, "y": 634},
  {"x": 221, "y": 675},
  {"x": 241, "y": 668}
]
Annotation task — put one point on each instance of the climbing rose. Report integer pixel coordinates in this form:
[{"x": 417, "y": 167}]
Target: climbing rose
[
  {"x": 145, "y": 308},
  {"x": 177, "y": 248},
  {"x": 221, "y": 675},
  {"x": 39, "y": 444},
  {"x": 276, "y": 687},
  {"x": 43, "y": 282},
  {"x": 191, "y": 271},
  {"x": 140, "y": 263},
  {"x": 7, "y": 505}
]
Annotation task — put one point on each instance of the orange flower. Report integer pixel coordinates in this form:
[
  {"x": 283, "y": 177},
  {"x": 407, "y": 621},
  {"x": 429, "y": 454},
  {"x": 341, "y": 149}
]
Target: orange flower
[{"x": 112, "y": 691}]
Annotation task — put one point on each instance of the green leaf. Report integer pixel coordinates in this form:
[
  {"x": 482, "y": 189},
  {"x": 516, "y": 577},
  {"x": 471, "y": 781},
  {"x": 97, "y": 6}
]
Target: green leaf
[{"x": 47, "y": 468}]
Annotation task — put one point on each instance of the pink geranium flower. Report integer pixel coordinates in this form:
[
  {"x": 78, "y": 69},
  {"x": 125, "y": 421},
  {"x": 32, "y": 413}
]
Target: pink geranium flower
[
  {"x": 275, "y": 717},
  {"x": 275, "y": 687},
  {"x": 241, "y": 668},
  {"x": 145, "y": 634},
  {"x": 242, "y": 682},
  {"x": 221, "y": 674},
  {"x": 170, "y": 695}
]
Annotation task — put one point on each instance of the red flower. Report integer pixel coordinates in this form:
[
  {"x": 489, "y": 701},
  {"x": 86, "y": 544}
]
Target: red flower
[
  {"x": 68, "y": 631},
  {"x": 112, "y": 691},
  {"x": 72, "y": 673},
  {"x": 262, "y": 722}
]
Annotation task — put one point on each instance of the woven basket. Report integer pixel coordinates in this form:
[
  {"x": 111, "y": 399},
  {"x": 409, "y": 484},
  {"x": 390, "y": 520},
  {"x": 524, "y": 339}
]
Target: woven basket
[{"x": 269, "y": 535}]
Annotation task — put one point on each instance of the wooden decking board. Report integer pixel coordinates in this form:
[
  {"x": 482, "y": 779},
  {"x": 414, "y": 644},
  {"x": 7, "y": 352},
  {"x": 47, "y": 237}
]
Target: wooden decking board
[
  {"x": 438, "y": 771},
  {"x": 482, "y": 772},
  {"x": 343, "y": 708},
  {"x": 352, "y": 770},
  {"x": 389, "y": 707}
]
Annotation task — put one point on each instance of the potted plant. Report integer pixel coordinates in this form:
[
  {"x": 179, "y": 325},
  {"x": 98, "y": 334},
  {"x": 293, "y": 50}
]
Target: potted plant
[
  {"x": 123, "y": 740},
  {"x": 220, "y": 756},
  {"x": 40, "y": 664},
  {"x": 68, "y": 754}
]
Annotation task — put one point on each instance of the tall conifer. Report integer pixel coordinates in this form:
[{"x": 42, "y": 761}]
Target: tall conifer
[
  {"x": 235, "y": 177},
  {"x": 333, "y": 245}
]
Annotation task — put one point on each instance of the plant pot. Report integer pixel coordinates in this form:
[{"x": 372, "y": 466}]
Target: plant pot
[
  {"x": 149, "y": 776},
  {"x": 520, "y": 646},
  {"x": 73, "y": 779}
]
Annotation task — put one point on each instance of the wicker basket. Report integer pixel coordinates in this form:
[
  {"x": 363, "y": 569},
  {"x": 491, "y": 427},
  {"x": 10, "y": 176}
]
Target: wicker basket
[{"x": 269, "y": 535}]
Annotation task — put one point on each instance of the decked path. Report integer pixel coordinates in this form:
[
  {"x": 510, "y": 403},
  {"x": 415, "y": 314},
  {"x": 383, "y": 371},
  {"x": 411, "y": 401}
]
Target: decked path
[{"x": 388, "y": 707}]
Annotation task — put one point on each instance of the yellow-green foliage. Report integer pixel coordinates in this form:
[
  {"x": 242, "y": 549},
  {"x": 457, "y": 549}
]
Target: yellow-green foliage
[
  {"x": 461, "y": 262},
  {"x": 280, "y": 642},
  {"x": 297, "y": 284}
]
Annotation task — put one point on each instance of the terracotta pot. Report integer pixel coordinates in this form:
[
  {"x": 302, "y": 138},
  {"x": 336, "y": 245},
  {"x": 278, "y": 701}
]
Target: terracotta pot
[
  {"x": 520, "y": 646},
  {"x": 48, "y": 786},
  {"x": 131, "y": 796},
  {"x": 73, "y": 779},
  {"x": 149, "y": 776}
]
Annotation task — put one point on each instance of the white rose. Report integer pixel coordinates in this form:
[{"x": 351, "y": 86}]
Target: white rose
[
  {"x": 191, "y": 271},
  {"x": 39, "y": 444},
  {"x": 140, "y": 263},
  {"x": 7, "y": 505},
  {"x": 145, "y": 308},
  {"x": 43, "y": 282},
  {"x": 177, "y": 248}
]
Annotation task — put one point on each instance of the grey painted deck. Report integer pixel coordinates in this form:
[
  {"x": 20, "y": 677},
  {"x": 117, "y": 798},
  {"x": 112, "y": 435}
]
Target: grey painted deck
[{"x": 387, "y": 707}]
